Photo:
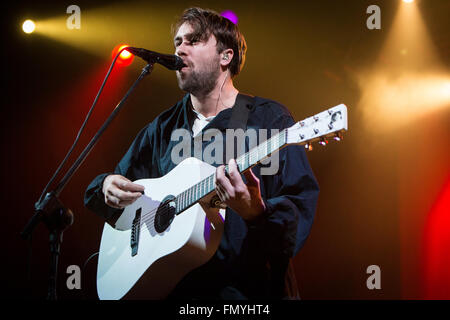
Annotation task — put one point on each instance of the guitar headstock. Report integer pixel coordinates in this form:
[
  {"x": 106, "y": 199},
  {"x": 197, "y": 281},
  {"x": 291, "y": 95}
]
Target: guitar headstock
[{"x": 330, "y": 123}]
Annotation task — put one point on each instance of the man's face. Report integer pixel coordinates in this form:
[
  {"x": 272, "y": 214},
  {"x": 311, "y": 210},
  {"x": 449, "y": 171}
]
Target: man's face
[{"x": 201, "y": 59}]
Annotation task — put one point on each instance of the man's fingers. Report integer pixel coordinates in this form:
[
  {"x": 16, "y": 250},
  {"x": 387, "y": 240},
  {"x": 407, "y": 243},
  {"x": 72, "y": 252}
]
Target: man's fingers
[
  {"x": 112, "y": 201},
  {"x": 130, "y": 186},
  {"x": 223, "y": 181},
  {"x": 120, "y": 192},
  {"x": 118, "y": 203},
  {"x": 235, "y": 176},
  {"x": 252, "y": 180},
  {"x": 124, "y": 195}
]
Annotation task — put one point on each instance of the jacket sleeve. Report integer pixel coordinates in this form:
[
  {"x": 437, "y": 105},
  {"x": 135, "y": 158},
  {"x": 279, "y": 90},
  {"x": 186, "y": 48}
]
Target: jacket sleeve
[
  {"x": 137, "y": 163},
  {"x": 290, "y": 197}
]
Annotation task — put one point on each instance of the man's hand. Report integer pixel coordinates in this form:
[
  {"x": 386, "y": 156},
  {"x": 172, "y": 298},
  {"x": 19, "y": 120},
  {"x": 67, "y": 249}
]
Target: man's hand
[
  {"x": 120, "y": 192},
  {"x": 244, "y": 199}
]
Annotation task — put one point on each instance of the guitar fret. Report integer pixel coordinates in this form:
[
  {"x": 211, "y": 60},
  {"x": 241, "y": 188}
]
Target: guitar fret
[
  {"x": 262, "y": 152},
  {"x": 188, "y": 193},
  {"x": 245, "y": 161},
  {"x": 183, "y": 200}
]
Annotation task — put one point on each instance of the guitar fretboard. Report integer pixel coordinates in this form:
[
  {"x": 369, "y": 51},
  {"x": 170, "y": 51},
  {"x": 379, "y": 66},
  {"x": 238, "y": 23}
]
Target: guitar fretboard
[{"x": 249, "y": 159}]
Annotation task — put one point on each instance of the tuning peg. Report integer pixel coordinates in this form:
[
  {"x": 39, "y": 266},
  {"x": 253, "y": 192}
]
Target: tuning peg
[
  {"x": 308, "y": 146},
  {"x": 338, "y": 136},
  {"x": 323, "y": 141}
]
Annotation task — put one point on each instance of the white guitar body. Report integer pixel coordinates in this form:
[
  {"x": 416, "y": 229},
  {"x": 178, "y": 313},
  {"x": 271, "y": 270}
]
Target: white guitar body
[
  {"x": 145, "y": 258},
  {"x": 162, "y": 259}
]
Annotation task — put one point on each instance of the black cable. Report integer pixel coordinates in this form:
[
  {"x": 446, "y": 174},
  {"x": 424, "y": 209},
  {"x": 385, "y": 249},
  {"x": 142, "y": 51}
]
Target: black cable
[
  {"x": 86, "y": 286},
  {"x": 30, "y": 251},
  {"x": 87, "y": 260}
]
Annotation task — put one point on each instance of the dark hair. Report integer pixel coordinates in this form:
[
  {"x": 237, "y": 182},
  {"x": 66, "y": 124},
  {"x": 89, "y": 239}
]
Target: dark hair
[{"x": 206, "y": 22}]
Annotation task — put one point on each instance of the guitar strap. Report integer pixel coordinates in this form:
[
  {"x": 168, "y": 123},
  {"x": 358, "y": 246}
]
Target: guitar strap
[
  {"x": 239, "y": 117},
  {"x": 241, "y": 109},
  {"x": 238, "y": 120}
]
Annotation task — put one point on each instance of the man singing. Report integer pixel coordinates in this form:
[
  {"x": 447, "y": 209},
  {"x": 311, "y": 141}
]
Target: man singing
[{"x": 268, "y": 217}]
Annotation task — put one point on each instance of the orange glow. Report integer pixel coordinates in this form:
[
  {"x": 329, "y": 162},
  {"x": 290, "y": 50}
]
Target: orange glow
[
  {"x": 125, "y": 54},
  {"x": 408, "y": 81},
  {"x": 125, "y": 58}
]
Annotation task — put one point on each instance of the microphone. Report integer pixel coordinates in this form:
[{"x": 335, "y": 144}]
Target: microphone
[{"x": 170, "y": 61}]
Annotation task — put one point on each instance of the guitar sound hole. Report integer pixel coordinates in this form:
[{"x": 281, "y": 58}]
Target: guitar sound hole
[{"x": 165, "y": 214}]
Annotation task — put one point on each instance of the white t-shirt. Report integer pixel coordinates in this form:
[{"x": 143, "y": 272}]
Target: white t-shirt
[{"x": 200, "y": 122}]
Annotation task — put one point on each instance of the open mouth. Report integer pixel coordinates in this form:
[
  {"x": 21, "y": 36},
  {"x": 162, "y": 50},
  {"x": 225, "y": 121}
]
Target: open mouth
[{"x": 184, "y": 68}]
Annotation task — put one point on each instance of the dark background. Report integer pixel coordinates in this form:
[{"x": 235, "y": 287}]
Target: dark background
[{"x": 377, "y": 190}]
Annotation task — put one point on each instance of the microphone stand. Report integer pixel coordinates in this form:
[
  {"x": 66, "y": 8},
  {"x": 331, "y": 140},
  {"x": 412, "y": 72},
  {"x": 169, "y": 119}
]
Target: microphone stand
[{"x": 53, "y": 213}]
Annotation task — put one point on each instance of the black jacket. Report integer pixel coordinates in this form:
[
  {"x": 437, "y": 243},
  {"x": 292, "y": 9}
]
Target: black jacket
[{"x": 252, "y": 257}]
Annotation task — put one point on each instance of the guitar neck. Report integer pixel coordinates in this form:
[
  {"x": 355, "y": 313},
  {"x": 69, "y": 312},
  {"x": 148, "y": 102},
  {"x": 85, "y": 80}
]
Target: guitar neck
[
  {"x": 244, "y": 162},
  {"x": 326, "y": 124}
]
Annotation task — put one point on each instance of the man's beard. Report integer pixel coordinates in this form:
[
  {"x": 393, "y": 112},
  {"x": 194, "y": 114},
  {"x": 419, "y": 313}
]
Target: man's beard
[{"x": 201, "y": 82}]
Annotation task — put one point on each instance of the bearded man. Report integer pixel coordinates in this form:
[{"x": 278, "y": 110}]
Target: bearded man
[{"x": 268, "y": 217}]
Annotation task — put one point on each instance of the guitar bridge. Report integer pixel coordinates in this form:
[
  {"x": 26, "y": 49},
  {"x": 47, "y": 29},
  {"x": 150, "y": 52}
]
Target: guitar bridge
[{"x": 135, "y": 232}]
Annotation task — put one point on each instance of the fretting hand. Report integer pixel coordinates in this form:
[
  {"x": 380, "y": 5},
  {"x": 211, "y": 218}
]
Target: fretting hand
[{"x": 243, "y": 198}]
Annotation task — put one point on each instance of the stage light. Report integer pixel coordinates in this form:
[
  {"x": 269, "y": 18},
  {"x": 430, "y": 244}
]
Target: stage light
[
  {"x": 409, "y": 80},
  {"x": 230, "y": 15},
  {"x": 437, "y": 245},
  {"x": 125, "y": 58},
  {"x": 125, "y": 54},
  {"x": 28, "y": 26},
  {"x": 408, "y": 1}
]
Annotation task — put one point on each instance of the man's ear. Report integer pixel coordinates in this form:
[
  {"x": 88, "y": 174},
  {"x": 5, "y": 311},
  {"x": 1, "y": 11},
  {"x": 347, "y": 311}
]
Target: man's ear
[{"x": 226, "y": 56}]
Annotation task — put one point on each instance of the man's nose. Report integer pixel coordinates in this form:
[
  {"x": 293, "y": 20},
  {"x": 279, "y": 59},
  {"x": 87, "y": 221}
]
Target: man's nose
[{"x": 181, "y": 50}]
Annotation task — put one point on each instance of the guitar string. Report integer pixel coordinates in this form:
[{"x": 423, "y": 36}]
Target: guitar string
[
  {"x": 282, "y": 139},
  {"x": 150, "y": 216}
]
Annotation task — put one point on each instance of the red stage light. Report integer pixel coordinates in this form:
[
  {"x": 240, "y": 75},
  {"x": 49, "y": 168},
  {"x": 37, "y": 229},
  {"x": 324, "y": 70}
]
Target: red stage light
[
  {"x": 125, "y": 58},
  {"x": 437, "y": 248}
]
